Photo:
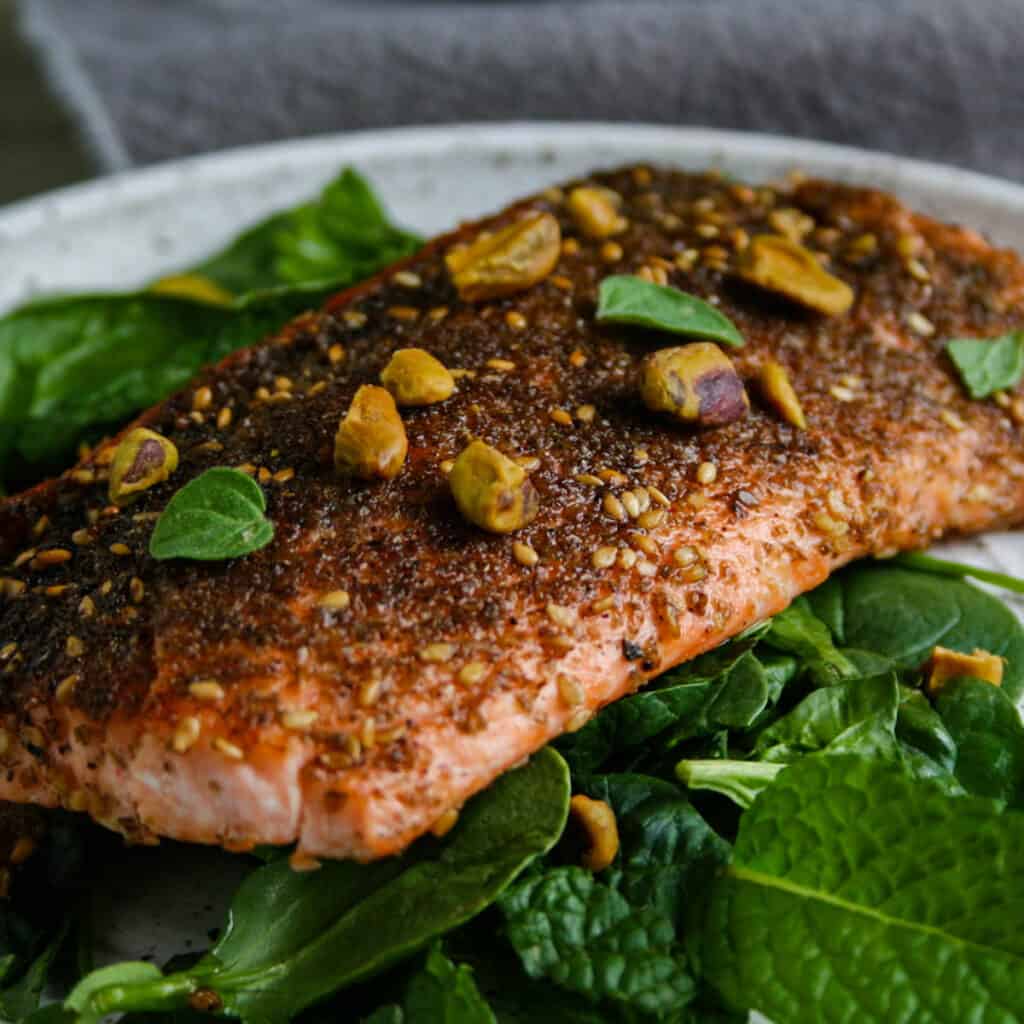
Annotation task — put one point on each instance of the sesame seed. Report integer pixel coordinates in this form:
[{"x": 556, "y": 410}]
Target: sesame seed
[
  {"x": 206, "y": 689},
  {"x": 917, "y": 270},
  {"x": 604, "y": 557},
  {"x": 459, "y": 373},
  {"x": 836, "y": 505},
  {"x": 437, "y": 652},
  {"x": 353, "y": 318},
  {"x": 604, "y": 604},
  {"x": 7, "y": 651},
  {"x": 707, "y": 230},
  {"x": 560, "y": 615},
  {"x": 263, "y": 475},
  {"x": 561, "y": 282},
  {"x": 648, "y": 545},
  {"x": 658, "y": 496},
  {"x": 571, "y": 691},
  {"x": 951, "y": 419},
  {"x": 585, "y": 413},
  {"x": 646, "y": 568},
  {"x": 369, "y": 691},
  {"x": 228, "y": 749},
  {"x": 570, "y": 246},
  {"x": 693, "y": 573},
  {"x": 74, "y": 647},
  {"x": 524, "y": 554},
  {"x": 299, "y": 720},
  {"x": 261, "y": 394},
  {"x": 648, "y": 520},
  {"x": 136, "y": 590},
  {"x": 87, "y": 607},
  {"x": 83, "y": 476},
  {"x": 627, "y": 558},
  {"x": 515, "y": 320},
  {"x": 404, "y": 313},
  {"x": 611, "y": 252},
  {"x": 368, "y": 733},
  {"x": 25, "y": 556},
  {"x": 560, "y": 416},
  {"x": 407, "y": 279},
  {"x": 445, "y": 823},
  {"x": 827, "y": 524},
  {"x": 438, "y": 313},
  {"x": 577, "y": 720},
  {"x": 630, "y": 504},
  {"x": 471, "y": 673},
  {"x": 613, "y": 507},
  {"x": 282, "y": 476},
  {"x": 613, "y": 477},
  {"x": 1002, "y": 399},
  {"x": 642, "y": 497},
  {"x": 120, "y": 549},
  {"x": 57, "y": 589},
  {"x": 919, "y": 323},
  {"x": 224, "y": 417},
  {"x": 589, "y": 479},
  {"x": 335, "y": 354},
  {"x": 641, "y": 456},
  {"x": 202, "y": 399},
  {"x": 66, "y": 689},
  {"x": 577, "y": 359},
  {"x": 40, "y": 526},
  {"x": 500, "y": 364},
  {"x": 707, "y": 473},
  {"x": 53, "y": 556},
  {"x": 837, "y": 391},
  {"x": 851, "y": 380},
  {"x": 685, "y": 556},
  {"x": 335, "y": 600},
  {"x": 106, "y": 586},
  {"x": 320, "y": 385},
  {"x": 11, "y": 588}
]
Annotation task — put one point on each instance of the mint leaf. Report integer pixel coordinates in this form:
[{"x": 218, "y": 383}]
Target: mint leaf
[
  {"x": 217, "y": 515},
  {"x": 625, "y": 299},
  {"x": 856, "y": 893},
  {"x": 987, "y": 365},
  {"x": 588, "y": 938}
]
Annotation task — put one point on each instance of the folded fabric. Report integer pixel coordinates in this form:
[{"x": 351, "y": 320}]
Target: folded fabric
[{"x": 152, "y": 80}]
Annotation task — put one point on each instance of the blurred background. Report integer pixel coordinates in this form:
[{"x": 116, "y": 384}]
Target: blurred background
[{"x": 92, "y": 86}]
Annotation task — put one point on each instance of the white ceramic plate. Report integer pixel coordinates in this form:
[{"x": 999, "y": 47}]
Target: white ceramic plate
[{"x": 120, "y": 231}]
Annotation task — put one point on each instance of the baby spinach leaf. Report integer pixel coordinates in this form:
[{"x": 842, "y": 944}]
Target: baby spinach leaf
[
  {"x": 438, "y": 993},
  {"x": 798, "y": 631},
  {"x": 667, "y": 851},
  {"x": 217, "y": 515},
  {"x": 293, "y": 939},
  {"x": 987, "y": 365},
  {"x": 902, "y": 615},
  {"x": 22, "y": 998},
  {"x": 831, "y": 715},
  {"x": 741, "y": 781},
  {"x": 958, "y": 570},
  {"x": 989, "y": 738},
  {"x": 587, "y": 937},
  {"x": 918, "y": 725},
  {"x": 625, "y": 299},
  {"x": 898, "y": 894}
]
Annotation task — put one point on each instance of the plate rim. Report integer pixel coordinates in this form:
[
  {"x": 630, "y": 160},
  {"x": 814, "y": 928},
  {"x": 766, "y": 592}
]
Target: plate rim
[{"x": 23, "y": 216}]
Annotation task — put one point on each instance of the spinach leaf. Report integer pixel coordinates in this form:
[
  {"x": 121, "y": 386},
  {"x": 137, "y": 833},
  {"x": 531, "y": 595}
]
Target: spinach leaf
[
  {"x": 293, "y": 938},
  {"x": 22, "y": 998},
  {"x": 625, "y": 299},
  {"x": 902, "y": 615},
  {"x": 667, "y": 851},
  {"x": 958, "y": 570},
  {"x": 587, "y": 937},
  {"x": 741, "y": 781},
  {"x": 989, "y": 737},
  {"x": 987, "y": 365},
  {"x": 438, "y": 993},
  {"x": 217, "y": 515},
  {"x": 798, "y": 631},
  {"x": 920, "y": 727},
  {"x": 898, "y": 894}
]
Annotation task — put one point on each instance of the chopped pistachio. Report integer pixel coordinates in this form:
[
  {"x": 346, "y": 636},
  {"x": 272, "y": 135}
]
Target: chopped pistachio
[
  {"x": 143, "y": 458},
  {"x": 780, "y": 265},
  {"x": 371, "y": 442},
  {"x": 596, "y": 211},
  {"x": 945, "y": 664},
  {"x": 491, "y": 490},
  {"x": 778, "y": 390},
  {"x": 597, "y": 820},
  {"x": 415, "y": 377},
  {"x": 696, "y": 383}
]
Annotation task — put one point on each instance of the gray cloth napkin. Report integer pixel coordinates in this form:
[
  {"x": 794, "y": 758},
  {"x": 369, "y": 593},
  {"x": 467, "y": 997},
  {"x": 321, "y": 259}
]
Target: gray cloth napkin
[{"x": 154, "y": 79}]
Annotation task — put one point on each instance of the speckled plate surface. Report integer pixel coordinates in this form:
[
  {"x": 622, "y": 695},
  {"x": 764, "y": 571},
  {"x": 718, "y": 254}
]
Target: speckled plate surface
[{"x": 120, "y": 231}]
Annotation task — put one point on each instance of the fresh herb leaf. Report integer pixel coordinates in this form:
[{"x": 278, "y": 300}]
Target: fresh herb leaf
[
  {"x": 987, "y": 365},
  {"x": 293, "y": 939},
  {"x": 958, "y": 570},
  {"x": 625, "y": 299},
  {"x": 741, "y": 781},
  {"x": 588, "y": 938},
  {"x": 886, "y": 885},
  {"x": 439, "y": 993},
  {"x": 988, "y": 736},
  {"x": 217, "y": 515}
]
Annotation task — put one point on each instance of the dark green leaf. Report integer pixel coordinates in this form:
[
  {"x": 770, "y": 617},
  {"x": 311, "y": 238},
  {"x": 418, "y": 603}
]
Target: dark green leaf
[
  {"x": 22, "y": 998},
  {"x": 921, "y": 727},
  {"x": 95, "y": 995},
  {"x": 217, "y": 515},
  {"x": 798, "y": 631},
  {"x": 625, "y": 299},
  {"x": 741, "y": 781},
  {"x": 958, "y": 570},
  {"x": 989, "y": 738},
  {"x": 857, "y": 893},
  {"x": 588, "y": 938},
  {"x": 987, "y": 365},
  {"x": 293, "y": 939}
]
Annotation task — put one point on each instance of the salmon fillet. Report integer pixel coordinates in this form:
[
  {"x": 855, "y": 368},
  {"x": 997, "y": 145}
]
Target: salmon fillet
[{"x": 351, "y": 731}]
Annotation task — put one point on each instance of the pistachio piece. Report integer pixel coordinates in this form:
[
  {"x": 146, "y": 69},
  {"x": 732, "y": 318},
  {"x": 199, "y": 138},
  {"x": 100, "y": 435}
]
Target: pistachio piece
[
  {"x": 491, "y": 490},
  {"x": 415, "y": 377},
  {"x": 945, "y": 664},
  {"x": 193, "y": 286},
  {"x": 596, "y": 211},
  {"x": 508, "y": 261},
  {"x": 696, "y": 383},
  {"x": 371, "y": 441},
  {"x": 597, "y": 820},
  {"x": 143, "y": 458},
  {"x": 778, "y": 390},
  {"x": 781, "y": 265}
]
